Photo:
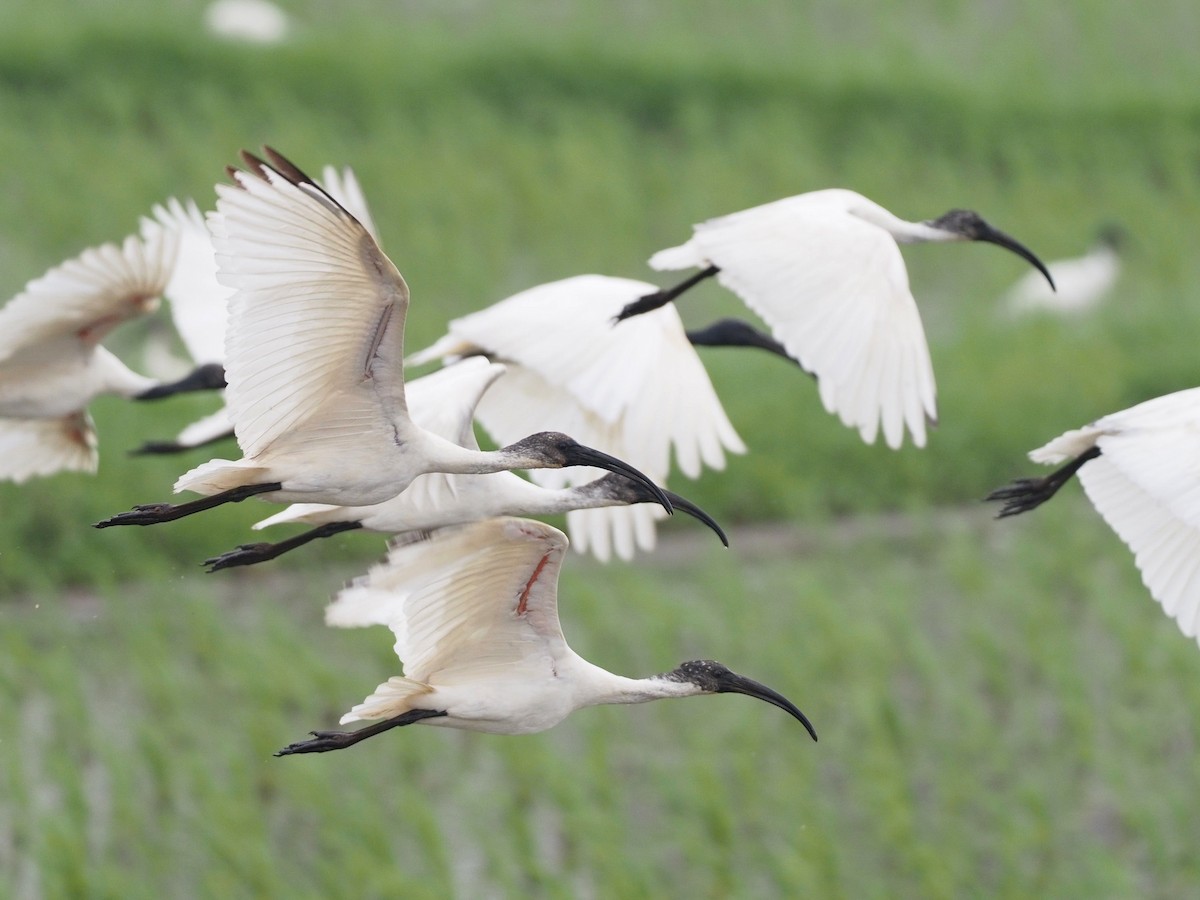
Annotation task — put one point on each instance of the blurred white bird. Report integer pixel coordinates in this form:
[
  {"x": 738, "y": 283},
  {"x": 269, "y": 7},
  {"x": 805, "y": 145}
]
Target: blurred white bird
[
  {"x": 443, "y": 403},
  {"x": 638, "y": 392},
  {"x": 51, "y": 362},
  {"x": 253, "y": 21},
  {"x": 314, "y": 360},
  {"x": 1079, "y": 283},
  {"x": 1138, "y": 467},
  {"x": 199, "y": 304},
  {"x": 823, "y": 269},
  {"x": 475, "y": 615}
]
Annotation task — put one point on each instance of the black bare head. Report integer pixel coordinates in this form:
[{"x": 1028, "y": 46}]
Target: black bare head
[
  {"x": 713, "y": 678},
  {"x": 555, "y": 450},
  {"x": 970, "y": 226},
  {"x": 628, "y": 490}
]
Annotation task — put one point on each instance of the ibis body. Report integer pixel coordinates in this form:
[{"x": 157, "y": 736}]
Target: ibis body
[
  {"x": 52, "y": 364},
  {"x": 314, "y": 362},
  {"x": 824, "y": 271},
  {"x": 475, "y": 615},
  {"x": 443, "y": 402}
]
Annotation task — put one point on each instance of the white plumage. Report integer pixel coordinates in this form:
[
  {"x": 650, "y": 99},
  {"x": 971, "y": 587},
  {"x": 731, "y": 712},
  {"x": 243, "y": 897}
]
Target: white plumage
[
  {"x": 443, "y": 403},
  {"x": 639, "y": 392},
  {"x": 51, "y": 362},
  {"x": 1139, "y": 469},
  {"x": 314, "y": 357},
  {"x": 823, "y": 269},
  {"x": 474, "y": 612},
  {"x": 1079, "y": 283},
  {"x": 199, "y": 302}
]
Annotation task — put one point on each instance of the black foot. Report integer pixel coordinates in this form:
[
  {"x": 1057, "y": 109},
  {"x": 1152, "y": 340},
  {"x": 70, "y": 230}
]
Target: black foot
[
  {"x": 321, "y": 742},
  {"x": 146, "y": 514},
  {"x": 1023, "y": 495},
  {"x": 244, "y": 555}
]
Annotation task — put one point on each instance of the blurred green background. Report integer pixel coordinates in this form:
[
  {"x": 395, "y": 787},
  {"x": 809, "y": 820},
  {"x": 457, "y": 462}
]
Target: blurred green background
[{"x": 1003, "y": 710}]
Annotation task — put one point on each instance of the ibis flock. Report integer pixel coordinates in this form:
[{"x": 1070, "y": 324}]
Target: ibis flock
[{"x": 285, "y": 301}]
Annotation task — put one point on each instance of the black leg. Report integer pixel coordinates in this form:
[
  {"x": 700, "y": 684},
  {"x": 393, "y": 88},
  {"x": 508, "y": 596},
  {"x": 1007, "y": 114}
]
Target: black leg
[
  {"x": 663, "y": 297},
  {"x": 210, "y": 377},
  {"x": 249, "y": 554},
  {"x": 153, "y": 513},
  {"x": 1025, "y": 494},
  {"x": 323, "y": 741}
]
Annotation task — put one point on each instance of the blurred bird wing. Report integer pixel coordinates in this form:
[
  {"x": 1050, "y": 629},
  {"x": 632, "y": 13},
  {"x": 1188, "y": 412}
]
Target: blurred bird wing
[
  {"x": 198, "y": 302},
  {"x": 31, "y": 447},
  {"x": 834, "y": 289},
  {"x": 642, "y": 377},
  {"x": 466, "y": 600},
  {"x": 316, "y": 325},
  {"x": 215, "y": 425},
  {"x": 82, "y": 299},
  {"x": 444, "y": 401}
]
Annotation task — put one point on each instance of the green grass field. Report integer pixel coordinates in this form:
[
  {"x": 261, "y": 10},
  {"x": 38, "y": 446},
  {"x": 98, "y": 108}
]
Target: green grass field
[{"x": 1003, "y": 709}]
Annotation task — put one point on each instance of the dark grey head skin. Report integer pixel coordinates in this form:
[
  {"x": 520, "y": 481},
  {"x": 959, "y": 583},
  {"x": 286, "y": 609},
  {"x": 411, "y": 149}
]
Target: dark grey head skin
[
  {"x": 971, "y": 226},
  {"x": 558, "y": 451},
  {"x": 713, "y": 678},
  {"x": 626, "y": 490}
]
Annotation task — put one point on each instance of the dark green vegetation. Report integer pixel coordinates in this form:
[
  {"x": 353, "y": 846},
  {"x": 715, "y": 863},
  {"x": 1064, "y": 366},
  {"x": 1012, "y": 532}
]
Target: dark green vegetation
[{"x": 1003, "y": 710}]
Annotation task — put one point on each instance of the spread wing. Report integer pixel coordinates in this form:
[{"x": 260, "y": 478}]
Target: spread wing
[
  {"x": 31, "y": 447},
  {"x": 198, "y": 302},
  {"x": 637, "y": 390},
  {"x": 316, "y": 325},
  {"x": 465, "y": 600},
  {"x": 834, "y": 290},
  {"x": 81, "y": 300}
]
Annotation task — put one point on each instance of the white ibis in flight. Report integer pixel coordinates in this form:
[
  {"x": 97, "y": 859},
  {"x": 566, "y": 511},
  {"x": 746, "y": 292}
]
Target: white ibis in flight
[
  {"x": 824, "y": 270},
  {"x": 314, "y": 361},
  {"x": 475, "y": 615},
  {"x": 443, "y": 402},
  {"x": 52, "y": 363}
]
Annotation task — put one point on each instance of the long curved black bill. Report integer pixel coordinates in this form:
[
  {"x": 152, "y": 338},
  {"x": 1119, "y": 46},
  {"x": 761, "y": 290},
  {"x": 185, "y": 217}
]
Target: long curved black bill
[
  {"x": 1000, "y": 239},
  {"x": 579, "y": 455},
  {"x": 733, "y": 683},
  {"x": 687, "y": 506}
]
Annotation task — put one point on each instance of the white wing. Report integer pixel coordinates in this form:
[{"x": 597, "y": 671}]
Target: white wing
[
  {"x": 466, "y": 600},
  {"x": 637, "y": 390},
  {"x": 834, "y": 289},
  {"x": 199, "y": 303},
  {"x": 1166, "y": 548},
  {"x": 1146, "y": 485},
  {"x": 81, "y": 300},
  {"x": 316, "y": 326},
  {"x": 31, "y": 447}
]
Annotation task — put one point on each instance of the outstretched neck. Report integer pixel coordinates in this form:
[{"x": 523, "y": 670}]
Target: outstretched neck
[
  {"x": 441, "y": 455},
  {"x": 603, "y": 687}
]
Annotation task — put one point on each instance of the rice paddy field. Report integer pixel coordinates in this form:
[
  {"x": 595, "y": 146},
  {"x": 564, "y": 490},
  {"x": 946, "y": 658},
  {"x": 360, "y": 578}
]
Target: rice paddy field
[{"x": 1003, "y": 709}]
